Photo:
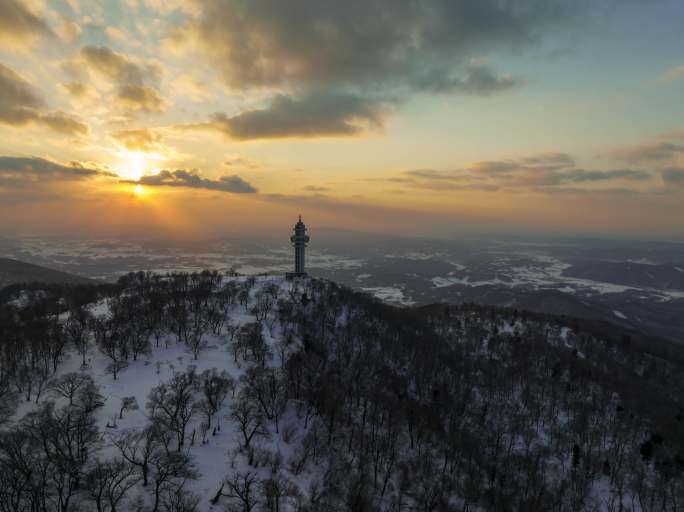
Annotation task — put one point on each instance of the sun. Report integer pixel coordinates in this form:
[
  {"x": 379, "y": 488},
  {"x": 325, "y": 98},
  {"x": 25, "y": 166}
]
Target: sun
[{"x": 139, "y": 190}]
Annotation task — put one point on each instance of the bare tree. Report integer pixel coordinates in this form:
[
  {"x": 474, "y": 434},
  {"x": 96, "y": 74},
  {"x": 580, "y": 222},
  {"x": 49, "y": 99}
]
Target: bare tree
[
  {"x": 69, "y": 384},
  {"x": 195, "y": 339},
  {"x": 77, "y": 330},
  {"x": 274, "y": 490},
  {"x": 88, "y": 397},
  {"x": 109, "y": 481},
  {"x": 172, "y": 404},
  {"x": 139, "y": 448},
  {"x": 240, "y": 489},
  {"x": 265, "y": 386},
  {"x": 112, "y": 344},
  {"x": 179, "y": 499},
  {"x": 249, "y": 419},
  {"x": 170, "y": 470},
  {"x": 215, "y": 387},
  {"x": 128, "y": 403}
]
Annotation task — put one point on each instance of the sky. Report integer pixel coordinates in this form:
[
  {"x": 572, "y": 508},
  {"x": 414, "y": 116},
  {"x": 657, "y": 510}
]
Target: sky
[{"x": 433, "y": 118}]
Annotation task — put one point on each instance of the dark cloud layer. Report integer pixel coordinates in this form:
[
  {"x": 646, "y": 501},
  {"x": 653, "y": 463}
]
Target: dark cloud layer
[
  {"x": 139, "y": 98},
  {"x": 78, "y": 90},
  {"x": 132, "y": 95},
  {"x": 314, "y": 115},
  {"x": 653, "y": 152},
  {"x": 673, "y": 176},
  {"x": 270, "y": 42},
  {"x": 20, "y": 105},
  {"x": 476, "y": 79},
  {"x": 24, "y": 171},
  {"x": 142, "y": 139},
  {"x": 18, "y": 25},
  {"x": 115, "y": 66},
  {"x": 371, "y": 51},
  {"x": 580, "y": 175},
  {"x": 549, "y": 171},
  {"x": 192, "y": 179}
]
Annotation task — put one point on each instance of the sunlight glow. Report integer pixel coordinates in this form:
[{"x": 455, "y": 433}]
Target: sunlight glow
[
  {"x": 133, "y": 165},
  {"x": 137, "y": 166}
]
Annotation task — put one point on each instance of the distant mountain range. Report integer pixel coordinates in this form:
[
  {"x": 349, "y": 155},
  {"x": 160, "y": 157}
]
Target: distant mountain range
[{"x": 14, "y": 271}]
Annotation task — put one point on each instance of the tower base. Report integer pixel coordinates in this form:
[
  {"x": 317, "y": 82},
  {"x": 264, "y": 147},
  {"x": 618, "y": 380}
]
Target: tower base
[{"x": 295, "y": 275}]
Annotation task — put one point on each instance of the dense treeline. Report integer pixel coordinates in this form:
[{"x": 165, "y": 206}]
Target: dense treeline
[{"x": 441, "y": 408}]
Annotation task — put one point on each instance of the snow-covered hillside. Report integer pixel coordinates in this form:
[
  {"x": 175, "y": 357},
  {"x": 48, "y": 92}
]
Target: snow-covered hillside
[
  {"x": 206, "y": 392},
  {"x": 222, "y": 448}
]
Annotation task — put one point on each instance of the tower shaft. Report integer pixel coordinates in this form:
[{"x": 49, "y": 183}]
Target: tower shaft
[{"x": 299, "y": 241}]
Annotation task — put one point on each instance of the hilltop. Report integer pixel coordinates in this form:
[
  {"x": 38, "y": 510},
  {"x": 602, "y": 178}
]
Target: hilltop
[
  {"x": 14, "y": 272},
  {"x": 203, "y": 392}
]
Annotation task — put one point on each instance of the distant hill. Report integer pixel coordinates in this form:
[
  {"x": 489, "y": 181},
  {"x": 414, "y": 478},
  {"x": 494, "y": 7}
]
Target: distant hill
[{"x": 13, "y": 271}]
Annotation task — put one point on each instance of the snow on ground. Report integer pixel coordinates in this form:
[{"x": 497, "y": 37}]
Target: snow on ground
[
  {"x": 390, "y": 294},
  {"x": 214, "y": 460},
  {"x": 548, "y": 273},
  {"x": 416, "y": 255},
  {"x": 442, "y": 282},
  {"x": 458, "y": 266}
]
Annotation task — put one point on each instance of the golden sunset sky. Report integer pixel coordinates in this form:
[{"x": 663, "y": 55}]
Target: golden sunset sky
[{"x": 421, "y": 117}]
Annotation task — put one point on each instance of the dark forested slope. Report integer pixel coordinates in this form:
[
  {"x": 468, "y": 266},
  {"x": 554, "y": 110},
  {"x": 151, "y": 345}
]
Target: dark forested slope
[
  {"x": 14, "y": 271},
  {"x": 326, "y": 399}
]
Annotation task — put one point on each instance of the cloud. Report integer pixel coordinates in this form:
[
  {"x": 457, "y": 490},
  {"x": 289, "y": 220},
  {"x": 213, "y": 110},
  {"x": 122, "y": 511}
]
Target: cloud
[
  {"x": 495, "y": 167},
  {"x": 112, "y": 65},
  {"x": 677, "y": 134},
  {"x": 240, "y": 161},
  {"x": 61, "y": 122},
  {"x": 542, "y": 171},
  {"x": 435, "y": 175},
  {"x": 80, "y": 91},
  {"x": 142, "y": 139},
  {"x": 404, "y": 42},
  {"x": 477, "y": 79},
  {"x": 19, "y": 26},
  {"x": 20, "y": 105},
  {"x": 316, "y": 189},
  {"x": 132, "y": 94},
  {"x": 16, "y": 171},
  {"x": 139, "y": 98},
  {"x": 538, "y": 163},
  {"x": 580, "y": 175},
  {"x": 673, "y": 176},
  {"x": 376, "y": 52},
  {"x": 15, "y": 92},
  {"x": 192, "y": 179},
  {"x": 672, "y": 74},
  {"x": 117, "y": 34},
  {"x": 653, "y": 152},
  {"x": 188, "y": 86},
  {"x": 313, "y": 115},
  {"x": 552, "y": 158},
  {"x": 69, "y": 31}
]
